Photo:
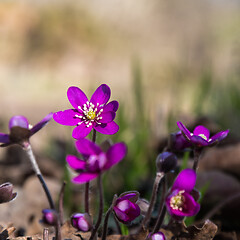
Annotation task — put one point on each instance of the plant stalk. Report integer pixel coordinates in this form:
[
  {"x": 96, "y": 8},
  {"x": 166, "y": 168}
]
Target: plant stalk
[
  {"x": 37, "y": 171},
  {"x": 162, "y": 208},
  {"x": 197, "y": 152},
  {"x": 100, "y": 213},
  {"x": 158, "y": 178},
  {"x": 105, "y": 224}
]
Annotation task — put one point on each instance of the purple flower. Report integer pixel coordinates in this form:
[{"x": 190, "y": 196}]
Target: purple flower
[
  {"x": 201, "y": 135},
  {"x": 96, "y": 113},
  {"x": 81, "y": 221},
  {"x": 50, "y": 217},
  {"x": 21, "y": 130},
  {"x": 96, "y": 162},
  {"x": 156, "y": 236},
  {"x": 125, "y": 207},
  {"x": 180, "y": 202}
]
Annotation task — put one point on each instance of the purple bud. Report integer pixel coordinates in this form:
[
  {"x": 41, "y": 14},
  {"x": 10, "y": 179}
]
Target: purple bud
[
  {"x": 50, "y": 217},
  {"x": 156, "y": 236},
  {"x": 6, "y": 192},
  {"x": 81, "y": 221},
  {"x": 166, "y": 162},
  {"x": 125, "y": 207}
]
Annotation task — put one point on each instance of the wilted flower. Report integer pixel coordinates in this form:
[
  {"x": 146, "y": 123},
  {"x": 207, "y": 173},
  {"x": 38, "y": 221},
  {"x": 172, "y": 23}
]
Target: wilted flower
[
  {"x": 177, "y": 142},
  {"x": 156, "y": 236},
  {"x": 125, "y": 207},
  {"x": 86, "y": 114},
  {"x": 201, "y": 135},
  {"x": 180, "y": 203},
  {"x": 50, "y": 217},
  {"x": 96, "y": 162},
  {"x": 6, "y": 192},
  {"x": 21, "y": 130},
  {"x": 166, "y": 162},
  {"x": 81, "y": 221}
]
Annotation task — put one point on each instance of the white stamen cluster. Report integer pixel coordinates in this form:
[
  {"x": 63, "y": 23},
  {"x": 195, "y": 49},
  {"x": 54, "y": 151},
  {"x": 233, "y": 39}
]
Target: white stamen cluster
[
  {"x": 90, "y": 114},
  {"x": 177, "y": 201}
]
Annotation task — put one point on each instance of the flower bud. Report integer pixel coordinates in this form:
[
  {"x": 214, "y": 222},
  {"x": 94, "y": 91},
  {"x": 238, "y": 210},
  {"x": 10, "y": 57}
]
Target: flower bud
[
  {"x": 6, "y": 192},
  {"x": 50, "y": 217},
  {"x": 81, "y": 221},
  {"x": 156, "y": 236},
  {"x": 125, "y": 207},
  {"x": 166, "y": 162}
]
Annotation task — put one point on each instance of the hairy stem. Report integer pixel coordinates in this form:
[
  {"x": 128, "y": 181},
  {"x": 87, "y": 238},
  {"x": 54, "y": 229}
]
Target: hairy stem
[
  {"x": 162, "y": 209},
  {"x": 37, "y": 171},
  {"x": 60, "y": 203},
  {"x": 95, "y": 228},
  {"x": 105, "y": 224},
  {"x": 158, "y": 178},
  {"x": 197, "y": 152}
]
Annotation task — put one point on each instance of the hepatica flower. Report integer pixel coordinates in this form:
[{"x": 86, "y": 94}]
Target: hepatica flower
[
  {"x": 180, "y": 203},
  {"x": 88, "y": 114},
  {"x": 81, "y": 221},
  {"x": 201, "y": 135},
  {"x": 156, "y": 236},
  {"x": 96, "y": 161},
  {"x": 21, "y": 130},
  {"x": 125, "y": 207}
]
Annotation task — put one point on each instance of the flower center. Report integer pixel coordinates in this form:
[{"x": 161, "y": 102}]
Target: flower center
[
  {"x": 202, "y": 136},
  {"x": 90, "y": 114},
  {"x": 177, "y": 201}
]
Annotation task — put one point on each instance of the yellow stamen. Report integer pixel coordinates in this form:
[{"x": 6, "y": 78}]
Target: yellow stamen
[
  {"x": 91, "y": 115},
  {"x": 203, "y": 136}
]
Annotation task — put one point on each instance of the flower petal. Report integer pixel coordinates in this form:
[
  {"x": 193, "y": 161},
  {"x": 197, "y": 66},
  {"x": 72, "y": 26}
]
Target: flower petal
[
  {"x": 87, "y": 147},
  {"x": 184, "y": 130},
  {"x": 201, "y": 131},
  {"x": 111, "y": 106},
  {"x": 219, "y": 136},
  {"x": 41, "y": 124},
  {"x": 131, "y": 196},
  {"x": 126, "y": 211},
  {"x": 107, "y": 117},
  {"x": 191, "y": 207},
  {"x": 199, "y": 141},
  {"x": 66, "y": 117},
  {"x": 107, "y": 128},
  {"x": 185, "y": 180},
  {"x": 18, "y": 121},
  {"x": 84, "y": 177},
  {"x": 75, "y": 163},
  {"x": 4, "y": 138},
  {"x": 101, "y": 95},
  {"x": 81, "y": 131},
  {"x": 76, "y": 97},
  {"x": 115, "y": 154}
]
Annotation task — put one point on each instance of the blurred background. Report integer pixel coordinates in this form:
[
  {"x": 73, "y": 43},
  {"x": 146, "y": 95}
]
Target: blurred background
[{"x": 164, "y": 61}]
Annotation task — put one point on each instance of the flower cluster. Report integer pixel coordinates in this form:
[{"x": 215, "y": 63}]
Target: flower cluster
[{"x": 98, "y": 114}]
